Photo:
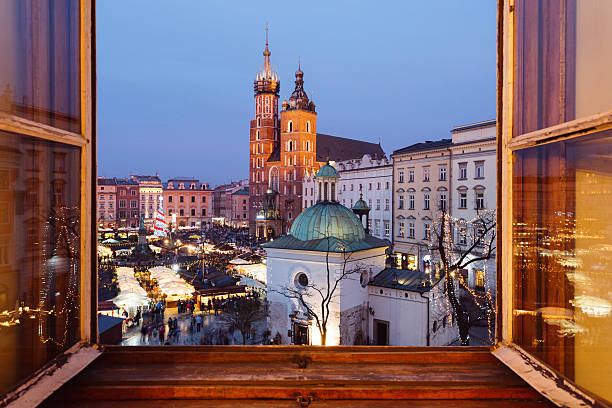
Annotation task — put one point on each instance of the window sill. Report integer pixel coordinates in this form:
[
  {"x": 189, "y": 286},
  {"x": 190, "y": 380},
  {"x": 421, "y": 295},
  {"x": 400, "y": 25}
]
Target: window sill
[
  {"x": 52, "y": 376},
  {"x": 327, "y": 376},
  {"x": 544, "y": 379}
]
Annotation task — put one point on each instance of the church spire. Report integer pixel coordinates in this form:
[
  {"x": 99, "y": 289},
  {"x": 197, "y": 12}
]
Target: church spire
[
  {"x": 267, "y": 80},
  {"x": 267, "y": 70}
]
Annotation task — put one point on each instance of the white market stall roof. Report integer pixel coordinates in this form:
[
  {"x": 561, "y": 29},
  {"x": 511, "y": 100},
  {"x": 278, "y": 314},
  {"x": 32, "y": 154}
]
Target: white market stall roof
[
  {"x": 256, "y": 271},
  {"x": 239, "y": 261},
  {"x": 131, "y": 294},
  {"x": 110, "y": 241},
  {"x": 155, "y": 249},
  {"x": 102, "y": 250},
  {"x": 171, "y": 284},
  {"x": 251, "y": 283},
  {"x": 124, "y": 251}
]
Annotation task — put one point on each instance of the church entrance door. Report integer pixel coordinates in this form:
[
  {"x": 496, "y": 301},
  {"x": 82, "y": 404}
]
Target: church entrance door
[
  {"x": 300, "y": 334},
  {"x": 381, "y": 333}
]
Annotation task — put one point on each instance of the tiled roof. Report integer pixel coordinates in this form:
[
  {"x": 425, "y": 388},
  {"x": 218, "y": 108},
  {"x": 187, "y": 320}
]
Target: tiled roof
[
  {"x": 275, "y": 155},
  {"x": 402, "y": 279},
  {"x": 341, "y": 148},
  {"x": 428, "y": 145},
  {"x": 146, "y": 178},
  {"x": 125, "y": 181},
  {"x": 243, "y": 191},
  {"x": 474, "y": 125},
  {"x": 103, "y": 181},
  {"x": 338, "y": 149}
]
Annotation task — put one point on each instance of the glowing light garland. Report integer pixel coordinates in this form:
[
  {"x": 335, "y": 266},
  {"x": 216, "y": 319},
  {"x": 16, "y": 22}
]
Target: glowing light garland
[{"x": 480, "y": 299}]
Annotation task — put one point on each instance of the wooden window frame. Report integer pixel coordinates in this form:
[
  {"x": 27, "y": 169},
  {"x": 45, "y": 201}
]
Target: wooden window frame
[
  {"x": 37, "y": 387},
  {"x": 535, "y": 372}
]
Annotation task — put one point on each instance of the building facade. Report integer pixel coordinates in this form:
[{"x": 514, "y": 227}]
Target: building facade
[
  {"x": 374, "y": 305},
  {"x": 286, "y": 148},
  {"x": 473, "y": 191},
  {"x": 222, "y": 200},
  {"x": 187, "y": 202},
  {"x": 151, "y": 191},
  {"x": 369, "y": 178},
  {"x": 106, "y": 190},
  {"x": 421, "y": 185},
  {"x": 239, "y": 215},
  {"x": 128, "y": 203}
]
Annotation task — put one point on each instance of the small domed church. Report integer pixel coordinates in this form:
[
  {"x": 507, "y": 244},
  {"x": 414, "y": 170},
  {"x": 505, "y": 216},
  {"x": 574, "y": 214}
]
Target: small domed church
[
  {"x": 285, "y": 149},
  {"x": 328, "y": 282}
]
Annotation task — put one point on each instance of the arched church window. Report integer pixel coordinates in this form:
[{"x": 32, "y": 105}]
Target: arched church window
[
  {"x": 290, "y": 126},
  {"x": 325, "y": 191},
  {"x": 258, "y": 122},
  {"x": 290, "y": 146},
  {"x": 274, "y": 176},
  {"x": 333, "y": 191},
  {"x": 308, "y": 127},
  {"x": 258, "y": 135}
]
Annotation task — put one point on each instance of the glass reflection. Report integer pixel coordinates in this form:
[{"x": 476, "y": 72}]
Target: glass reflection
[
  {"x": 39, "y": 63},
  {"x": 39, "y": 253},
  {"x": 563, "y": 256}
]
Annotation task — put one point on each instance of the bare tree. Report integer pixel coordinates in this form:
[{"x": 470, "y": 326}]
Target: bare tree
[
  {"x": 316, "y": 298},
  {"x": 243, "y": 314},
  {"x": 476, "y": 244}
]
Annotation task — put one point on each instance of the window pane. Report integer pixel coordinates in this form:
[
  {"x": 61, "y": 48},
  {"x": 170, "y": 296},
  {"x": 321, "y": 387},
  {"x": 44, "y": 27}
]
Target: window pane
[
  {"x": 563, "y": 257},
  {"x": 39, "y": 253},
  {"x": 562, "y": 61},
  {"x": 39, "y": 68}
]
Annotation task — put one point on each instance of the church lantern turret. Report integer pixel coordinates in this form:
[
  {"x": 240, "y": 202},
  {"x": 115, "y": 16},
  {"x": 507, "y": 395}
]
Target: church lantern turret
[{"x": 327, "y": 179}]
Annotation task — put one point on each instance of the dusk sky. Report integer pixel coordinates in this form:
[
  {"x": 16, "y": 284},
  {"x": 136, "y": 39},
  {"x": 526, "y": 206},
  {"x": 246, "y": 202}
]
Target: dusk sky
[{"x": 175, "y": 78}]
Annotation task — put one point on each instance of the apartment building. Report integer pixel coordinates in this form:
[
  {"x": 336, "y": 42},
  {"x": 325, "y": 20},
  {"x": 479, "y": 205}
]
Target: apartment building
[
  {"x": 128, "y": 202},
  {"x": 187, "y": 202},
  {"x": 151, "y": 190},
  {"x": 421, "y": 185},
  {"x": 473, "y": 191},
  {"x": 106, "y": 210}
]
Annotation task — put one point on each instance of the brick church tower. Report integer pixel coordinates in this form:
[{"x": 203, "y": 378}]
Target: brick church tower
[
  {"x": 264, "y": 135},
  {"x": 298, "y": 146}
]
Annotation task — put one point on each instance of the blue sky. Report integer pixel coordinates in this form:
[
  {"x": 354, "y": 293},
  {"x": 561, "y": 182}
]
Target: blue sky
[{"x": 175, "y": 78}]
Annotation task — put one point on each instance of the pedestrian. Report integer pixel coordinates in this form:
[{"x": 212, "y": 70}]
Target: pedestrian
[
  {"x": 143, "y": 333},
  {"x": 198, "y": 323},
  {"x": 161, "y": 331}
]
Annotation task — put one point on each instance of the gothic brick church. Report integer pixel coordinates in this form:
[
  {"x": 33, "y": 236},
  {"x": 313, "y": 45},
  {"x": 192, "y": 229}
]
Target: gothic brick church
[{"x": 285, "y": 149}]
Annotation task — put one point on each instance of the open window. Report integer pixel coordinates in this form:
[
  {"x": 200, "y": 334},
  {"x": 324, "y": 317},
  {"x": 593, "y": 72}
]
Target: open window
[
  {"x": 47, "y": 285},
  {"x": 554, "y": 146}
]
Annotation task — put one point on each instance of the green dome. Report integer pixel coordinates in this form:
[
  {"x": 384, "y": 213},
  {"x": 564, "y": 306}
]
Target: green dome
[
  {"x": 327, "y": 219},
  {"x": 361, "y": 205},
  {"x": 327, "y": 171}
]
